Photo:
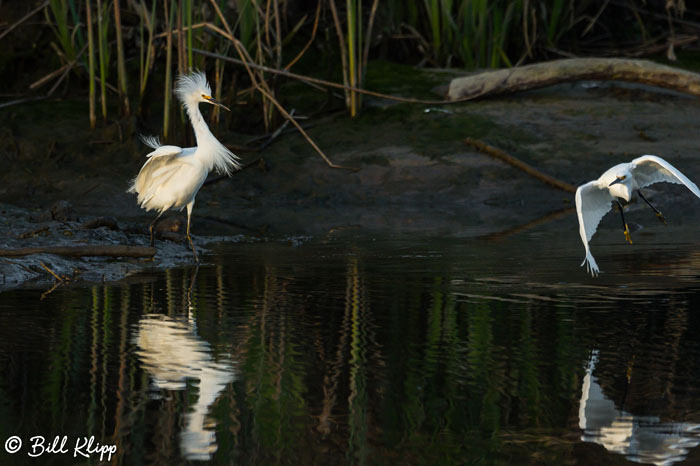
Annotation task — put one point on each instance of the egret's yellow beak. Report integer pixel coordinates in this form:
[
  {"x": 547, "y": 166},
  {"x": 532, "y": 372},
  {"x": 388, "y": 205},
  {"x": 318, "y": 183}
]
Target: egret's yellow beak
[{"x": 212, "y": 100}]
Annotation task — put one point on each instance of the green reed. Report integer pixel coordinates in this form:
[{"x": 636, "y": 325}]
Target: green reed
[
  {"x": 148, "y": 22},
  {"x": 469, "y": 33},
  {"x": 103, "y": 51},
  {"x": 121, "y": 68},
  {"x": 169, "y": 14},
  {"x": 61, "y": 26},
  {"x": 91, "y": 63}
]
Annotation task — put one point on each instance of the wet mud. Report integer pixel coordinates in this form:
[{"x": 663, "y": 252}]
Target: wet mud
[{"x": 411, "y": 172}]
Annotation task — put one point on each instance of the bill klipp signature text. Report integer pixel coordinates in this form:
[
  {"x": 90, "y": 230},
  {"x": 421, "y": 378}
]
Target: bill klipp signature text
[{"x": 86, "y": 447}]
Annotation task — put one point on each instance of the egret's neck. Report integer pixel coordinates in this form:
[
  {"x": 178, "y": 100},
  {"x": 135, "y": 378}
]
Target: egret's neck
[
  {"x": 620, "y": 190},
  {"x": 201, "y": 130}
]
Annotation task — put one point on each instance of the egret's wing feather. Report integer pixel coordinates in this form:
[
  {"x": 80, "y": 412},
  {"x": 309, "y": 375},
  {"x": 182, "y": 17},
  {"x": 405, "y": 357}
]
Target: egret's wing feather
[
  {"x": 151, "y": 141},
  {"x": 159, "y": 150},
  {"x": 650, "y": 169},
  {"x": 165, "y": 151},
  {"x": 592, "y": 203},
  {"x": 154, "y": 173}
]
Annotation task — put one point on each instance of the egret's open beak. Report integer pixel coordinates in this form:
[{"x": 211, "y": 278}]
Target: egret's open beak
[
  {"x": 615, "y": 182},
  {"x": 211, "y": 100}
]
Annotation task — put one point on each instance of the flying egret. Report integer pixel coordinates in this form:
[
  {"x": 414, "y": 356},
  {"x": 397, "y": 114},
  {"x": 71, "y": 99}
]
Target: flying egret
[
  {"x": 172, "y": 176},
  {"x": 594, "y": 199}
]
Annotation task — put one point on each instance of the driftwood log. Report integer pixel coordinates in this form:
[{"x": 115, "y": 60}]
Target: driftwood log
[
  {"x": 539, "y": 75},
  {"x": 112, "y": 250}
]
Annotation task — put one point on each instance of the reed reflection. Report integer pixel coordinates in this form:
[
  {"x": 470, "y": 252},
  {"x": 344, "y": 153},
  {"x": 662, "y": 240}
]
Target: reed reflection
[
  {"x": 174, "y": 354},
  {"x": 643, "y": 439}
]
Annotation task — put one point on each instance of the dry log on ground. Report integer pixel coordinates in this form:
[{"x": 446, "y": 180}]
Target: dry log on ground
[
  {"x": 538, "y": 75},
  {"x": 112, "y": 250}
]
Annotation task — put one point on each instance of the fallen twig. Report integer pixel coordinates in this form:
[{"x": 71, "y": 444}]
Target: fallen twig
[
  {"x": 530, "y": 170},
  {"x": 55, "y": 275},
  {"x": 111, "y": 250},
  {"x": 36, "y": 231}
]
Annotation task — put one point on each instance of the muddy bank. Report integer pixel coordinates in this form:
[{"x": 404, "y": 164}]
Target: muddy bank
[
  {"x": 62, "y": 226},
  {"x": 413, "y": 172}
]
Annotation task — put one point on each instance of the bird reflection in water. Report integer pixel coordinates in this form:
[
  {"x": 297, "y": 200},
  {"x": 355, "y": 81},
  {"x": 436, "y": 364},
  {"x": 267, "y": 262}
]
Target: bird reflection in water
[
  {"x": 642, "y": 439},
  {"x": 172, "y": 353}
]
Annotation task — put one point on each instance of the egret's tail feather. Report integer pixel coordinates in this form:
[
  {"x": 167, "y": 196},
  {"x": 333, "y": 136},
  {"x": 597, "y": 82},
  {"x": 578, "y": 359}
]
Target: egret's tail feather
[
  {"x": 151, "y": 141},
  {"x": 590, "y": 264}
]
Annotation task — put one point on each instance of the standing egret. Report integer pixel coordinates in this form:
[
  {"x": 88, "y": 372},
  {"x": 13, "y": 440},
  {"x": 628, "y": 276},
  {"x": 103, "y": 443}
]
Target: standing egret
[
  {"x": 172, "y": 176},
  {"x": 593, "y": 199}
]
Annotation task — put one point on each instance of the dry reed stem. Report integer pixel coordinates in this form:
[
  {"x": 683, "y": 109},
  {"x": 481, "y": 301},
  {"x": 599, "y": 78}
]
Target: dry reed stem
[
  {"x": 308, "y": 44},
  {"x": 91, "y": 65},
  {"x": 121, "y": 67},
  {"x": 262, "y": 89},
  {"x": 62, "y": 71},
  {"x": 370, "y": 26},
  {"x": 343, "y": 51},
  {"x": 323, "y": 82}
]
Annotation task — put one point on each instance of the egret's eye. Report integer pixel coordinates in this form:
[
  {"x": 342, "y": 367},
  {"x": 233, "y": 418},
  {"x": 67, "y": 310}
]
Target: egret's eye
[{"x": 621, "y": 178}]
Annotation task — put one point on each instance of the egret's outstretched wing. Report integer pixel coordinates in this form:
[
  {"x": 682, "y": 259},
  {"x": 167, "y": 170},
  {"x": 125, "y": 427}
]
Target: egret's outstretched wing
[
  {"x": 650, "y": 169},
  {"x": 592, "y": 203}
]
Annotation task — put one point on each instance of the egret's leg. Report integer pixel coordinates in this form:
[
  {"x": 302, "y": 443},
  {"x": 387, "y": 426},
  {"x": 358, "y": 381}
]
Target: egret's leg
[
  {"x": 189, "y": 238},
  {"x": 625, "y": 228},
  {"x": 152, "y": 226},
  {"x": 659, "y": 215}
]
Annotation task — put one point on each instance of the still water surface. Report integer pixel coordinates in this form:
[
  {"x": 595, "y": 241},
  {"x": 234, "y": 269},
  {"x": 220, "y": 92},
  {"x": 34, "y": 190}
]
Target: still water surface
[{"x": 368, "y": 350}]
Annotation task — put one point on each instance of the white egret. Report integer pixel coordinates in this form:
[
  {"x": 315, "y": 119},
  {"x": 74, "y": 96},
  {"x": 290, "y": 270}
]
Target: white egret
[
  {"x": 172, "y": 176},
  {"x": 594, "y": 199}
]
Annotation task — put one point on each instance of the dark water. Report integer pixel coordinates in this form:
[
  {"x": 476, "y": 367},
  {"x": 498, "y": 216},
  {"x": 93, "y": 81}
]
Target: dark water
[{"x": 362, "y": 350}]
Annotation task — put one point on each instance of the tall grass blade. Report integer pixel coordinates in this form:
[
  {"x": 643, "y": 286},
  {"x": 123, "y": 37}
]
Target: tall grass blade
[
  {"x": 188, "y": 9},
  {"x": 121, "y": 68},
  {"x": 146, "y": 56},
  {"x": 103, "y": 54},
  {"x": 169, "y": 15},
  {"x": 351, "y": 53},
  {"x": 91, "y": 63},
  {"x": 60, "y": 27}
]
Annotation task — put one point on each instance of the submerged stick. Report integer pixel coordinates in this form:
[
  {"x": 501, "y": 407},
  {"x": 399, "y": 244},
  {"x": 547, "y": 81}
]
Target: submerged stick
[
  {"x": 111, "y": 250},
  {"x": 539, "y": 75},
  {"x": 529, "y": 169}
]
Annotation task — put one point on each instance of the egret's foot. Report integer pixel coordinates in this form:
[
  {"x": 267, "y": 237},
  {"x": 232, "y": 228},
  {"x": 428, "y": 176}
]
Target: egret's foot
[
  {"x": 628, "y": 237},
  {"x": 661, "y": 218}
]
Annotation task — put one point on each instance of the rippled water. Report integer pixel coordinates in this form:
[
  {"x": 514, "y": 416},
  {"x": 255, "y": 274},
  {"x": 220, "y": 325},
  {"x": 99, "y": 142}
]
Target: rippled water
[{"x": 363, "y": 350}]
